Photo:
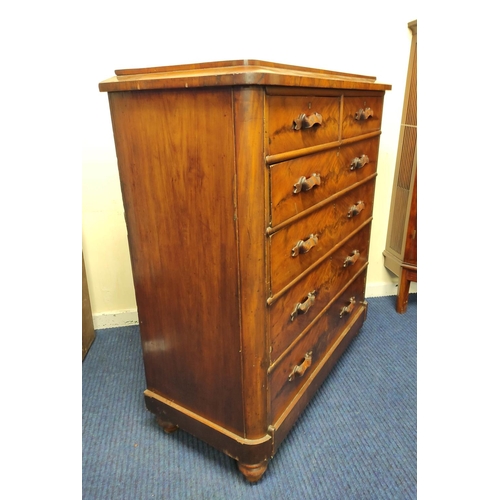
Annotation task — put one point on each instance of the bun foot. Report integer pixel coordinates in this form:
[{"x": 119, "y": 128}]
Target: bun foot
[
  {"x": 167, "y": 426},
  {"x": 253, "y": 472}
]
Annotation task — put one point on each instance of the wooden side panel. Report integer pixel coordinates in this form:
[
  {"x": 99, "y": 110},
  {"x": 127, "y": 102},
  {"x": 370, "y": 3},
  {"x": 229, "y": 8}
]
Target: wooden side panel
[{"x": 176, "y": 158}]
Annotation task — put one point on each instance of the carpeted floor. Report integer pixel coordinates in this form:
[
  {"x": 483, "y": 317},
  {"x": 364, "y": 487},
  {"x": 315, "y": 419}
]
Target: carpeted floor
[{"x": 356, "y": 440}]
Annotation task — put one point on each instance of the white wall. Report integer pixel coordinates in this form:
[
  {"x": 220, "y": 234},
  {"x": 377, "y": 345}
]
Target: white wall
[{"x": 370, "y": 38}]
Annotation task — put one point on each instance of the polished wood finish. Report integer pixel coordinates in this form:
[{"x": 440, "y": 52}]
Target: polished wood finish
[
  {"x": 177, "y": 186},
  {"x": 326, "y": 280},
  {"x": 331, "y": 223},
  {"x": 334, "y": 168},
  {"x": 247, "y": 292},
  {"x": 253, "y": 472},
  {"x": 242, "y": 72},
  {"x": 356, "y": 120},
  {"x": 316, "y": 338},
  {"x": 283, "y": 132}
]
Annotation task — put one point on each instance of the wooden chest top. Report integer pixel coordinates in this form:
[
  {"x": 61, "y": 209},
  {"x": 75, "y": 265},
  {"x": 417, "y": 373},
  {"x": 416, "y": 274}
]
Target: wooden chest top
[{"x": 238, "y": 72}]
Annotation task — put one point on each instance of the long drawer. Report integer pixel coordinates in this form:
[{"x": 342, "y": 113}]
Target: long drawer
[
  {"x": 293, "y": 370},
  {"x": 302, "y": 303},
  {"x": 296, "y": 122},
  {"x": 361, "y": 115},
  {"x": 303, "y": 182},
  {"x": 297, "y": 246}
]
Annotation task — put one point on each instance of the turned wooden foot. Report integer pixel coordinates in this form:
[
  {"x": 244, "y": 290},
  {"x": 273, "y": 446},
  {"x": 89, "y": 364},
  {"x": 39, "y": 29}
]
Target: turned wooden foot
[
  {"x": 408, "y": 274},
  {"x": 253, "y": 472},
  {"x": 167, "y": 426}
]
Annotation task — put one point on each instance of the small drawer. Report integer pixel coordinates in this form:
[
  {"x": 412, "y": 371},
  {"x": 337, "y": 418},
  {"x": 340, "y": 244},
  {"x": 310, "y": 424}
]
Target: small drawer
[
  {"x": 300, "y": 183},
  {"x": 297, "y": 246},
  {"x": 296, "y": 122},
  {"x": 361, "y": 115},
  {"x": 297, "y": 365},
  {"x": 302, "y": 303}
]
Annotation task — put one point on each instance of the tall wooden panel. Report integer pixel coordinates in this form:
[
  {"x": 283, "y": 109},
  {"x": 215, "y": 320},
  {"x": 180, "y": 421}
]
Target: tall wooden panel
[{"x": 401, "y": 246}]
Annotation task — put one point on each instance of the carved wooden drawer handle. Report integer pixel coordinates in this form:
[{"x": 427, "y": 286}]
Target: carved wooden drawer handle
[
  {"x": 349, "y": 261},
  {"x": 363, "y": 114},
  {"x": 348, "y": 309},
  {"x": 304, "y": 246},
  {"x": 356, "y": 209},
  {"x": 301, "y": 368},
  {"x": 359, "y": 162},
  {"x": 303, "y": 307},
  {"x": 304, "y": 184},
  {"x": 303, "y": 121}
]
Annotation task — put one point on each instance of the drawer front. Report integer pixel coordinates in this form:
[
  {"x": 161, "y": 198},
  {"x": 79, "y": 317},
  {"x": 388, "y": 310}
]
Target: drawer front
[
  {"x": 295, "y": 368},
  {"x": 361, "y": 115},
  {"x": 302, "y": 303},
  {"x": 328, "y": 226},
  {"x": 300, "y": 183},
  {"x": 296, "y": 122}
]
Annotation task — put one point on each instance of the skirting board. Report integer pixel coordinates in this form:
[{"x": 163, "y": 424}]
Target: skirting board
[
  {"x": 385, "y": 289},
  {"x": 115, "y": 319}
]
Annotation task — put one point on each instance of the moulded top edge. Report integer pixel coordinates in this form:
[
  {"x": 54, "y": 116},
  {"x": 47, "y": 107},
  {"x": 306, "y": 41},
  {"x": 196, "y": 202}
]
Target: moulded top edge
[
  {"x": 250, "y": 64},
  {"x": 238, "y": 72}
]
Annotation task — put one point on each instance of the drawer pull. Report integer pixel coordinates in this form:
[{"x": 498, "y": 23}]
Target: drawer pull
[
  {"x": 303, "y": 121},
  {"x": 359, "y": 162},
  {"x": 300, "y": 369},
  {"x": 303, "y": 307},
  {"x": 304, "y": 246},
  {"x": 304, "y": 184},
  {"x": 356, "y": 209},
  {"x": 349, "y": 261},
  {"x": 363, "y": 114},
  {"x": 348, "y": 309}
]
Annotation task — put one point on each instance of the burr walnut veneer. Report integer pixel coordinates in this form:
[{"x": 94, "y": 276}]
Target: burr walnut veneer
[{"x": 248, "y": 190}]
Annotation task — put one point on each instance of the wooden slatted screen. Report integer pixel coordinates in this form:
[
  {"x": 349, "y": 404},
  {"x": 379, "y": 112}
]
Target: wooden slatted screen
[{"x": 406, "y": 163}]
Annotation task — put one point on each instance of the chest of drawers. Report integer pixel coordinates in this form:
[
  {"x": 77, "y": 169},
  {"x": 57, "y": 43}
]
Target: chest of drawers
[{"x": 248, "y": 190}]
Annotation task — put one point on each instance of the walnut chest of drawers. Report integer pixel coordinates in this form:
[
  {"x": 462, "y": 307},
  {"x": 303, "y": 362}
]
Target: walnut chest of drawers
[{"x": 248, "y": 190}]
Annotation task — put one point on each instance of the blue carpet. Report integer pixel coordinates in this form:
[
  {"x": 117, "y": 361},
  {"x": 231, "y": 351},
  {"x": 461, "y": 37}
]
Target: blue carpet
[{"x": 356, "y": 440}]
